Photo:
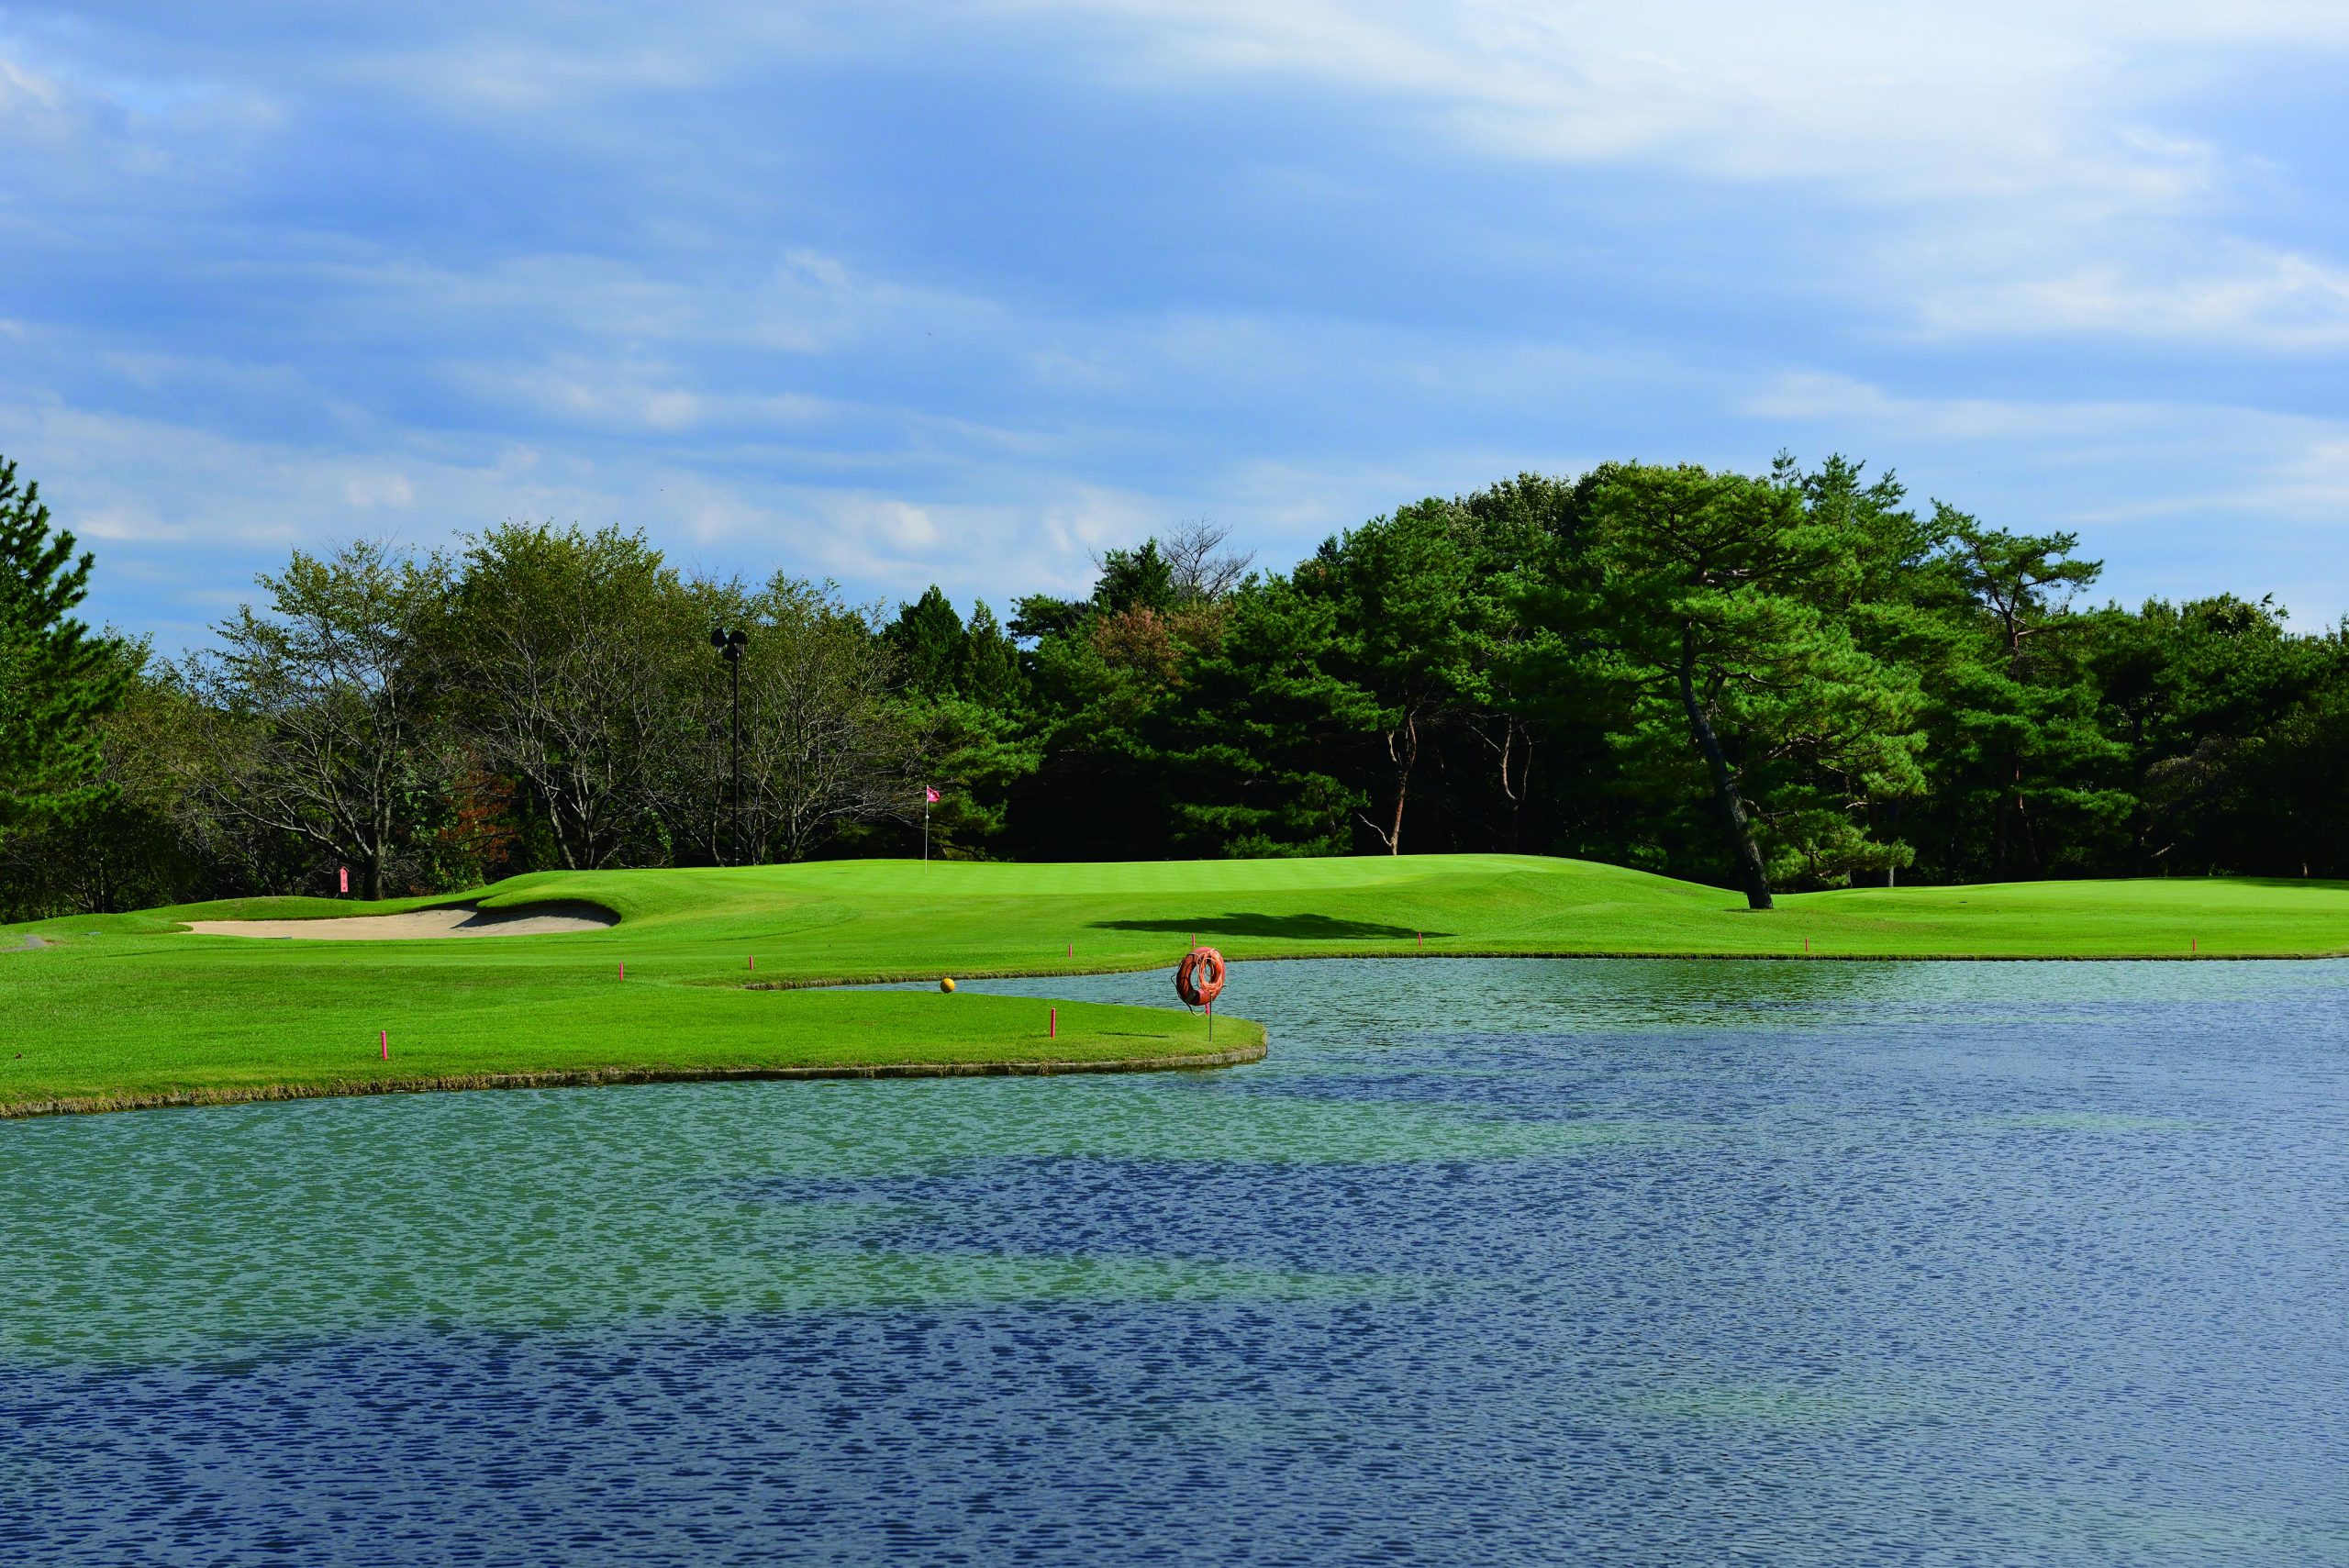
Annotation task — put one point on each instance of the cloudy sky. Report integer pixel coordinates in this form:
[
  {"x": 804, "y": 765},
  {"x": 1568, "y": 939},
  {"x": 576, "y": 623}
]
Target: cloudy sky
[{"x": 896, "y": 292}]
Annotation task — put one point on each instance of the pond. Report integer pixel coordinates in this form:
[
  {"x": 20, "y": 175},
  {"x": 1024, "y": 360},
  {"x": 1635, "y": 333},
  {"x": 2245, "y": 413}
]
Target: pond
[{"x": 1493, "y": 1262}]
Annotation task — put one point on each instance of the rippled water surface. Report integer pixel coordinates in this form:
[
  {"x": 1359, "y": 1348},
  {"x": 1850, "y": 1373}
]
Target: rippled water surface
[{"x": 1499, "y": 1262}]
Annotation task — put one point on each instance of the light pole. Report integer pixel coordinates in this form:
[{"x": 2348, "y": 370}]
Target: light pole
[{"x": 729, "y": 646}]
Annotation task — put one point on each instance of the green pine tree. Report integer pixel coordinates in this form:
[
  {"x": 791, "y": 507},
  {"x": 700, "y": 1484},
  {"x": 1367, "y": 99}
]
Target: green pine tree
[
  {"x": 1726, "y": 601},
  {"x": 56, "y": 679}
]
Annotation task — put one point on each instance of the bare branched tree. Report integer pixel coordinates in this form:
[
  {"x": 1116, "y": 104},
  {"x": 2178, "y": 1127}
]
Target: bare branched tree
[
  {"x": 1203, "y": 569},
  {"x": 821, "y": 744},
  {"x": 316, "y": 711},
  {"x": 566, "y": 647},
  {"x": 831, "y": 748}
]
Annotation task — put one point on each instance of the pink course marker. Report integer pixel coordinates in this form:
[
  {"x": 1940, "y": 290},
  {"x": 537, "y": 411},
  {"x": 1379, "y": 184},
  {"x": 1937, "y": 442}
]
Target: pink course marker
[
  {"x": 1054, "y": 1030},
  {"x": 623, "y": 971},
  {"x": 384, "y": 1040}
]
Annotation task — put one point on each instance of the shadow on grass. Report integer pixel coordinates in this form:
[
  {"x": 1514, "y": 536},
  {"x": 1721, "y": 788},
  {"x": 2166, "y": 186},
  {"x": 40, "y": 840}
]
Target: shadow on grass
[{"x": 1296, "y": 927}]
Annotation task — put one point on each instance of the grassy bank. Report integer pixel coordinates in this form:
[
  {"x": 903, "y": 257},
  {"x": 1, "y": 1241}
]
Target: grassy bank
[{"x": 124, "y": 1009}]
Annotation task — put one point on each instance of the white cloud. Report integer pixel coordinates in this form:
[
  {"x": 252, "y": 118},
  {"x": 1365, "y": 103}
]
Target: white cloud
[
  {"x": 147, "y": 480},
  {"x": 898, "y": 525},
  {"x": 616, "y": 298},
  {"x": 367, "y": 490},
  {"x": 2180, "y": 499},
  {"x": 2197, "y": 457},
  {"x": 31, "y": 105},
  {"x": 222, "y": 506},
  {"x": 122, "y": 524},
  {"x": 81, "y": 137},
  {"x": 1045, "y": 539},
  {"x": 671, "y": 409},
  {"x": 2272, "y": 299},
  {"x": 2024, "y": 157},
  {"x": 1931, "y": 99},
  {"x": 1825, "y": 397}
]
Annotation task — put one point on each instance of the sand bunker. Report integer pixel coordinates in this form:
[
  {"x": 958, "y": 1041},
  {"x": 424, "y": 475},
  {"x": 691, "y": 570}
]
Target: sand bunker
[{"x": 457, "y": 921}]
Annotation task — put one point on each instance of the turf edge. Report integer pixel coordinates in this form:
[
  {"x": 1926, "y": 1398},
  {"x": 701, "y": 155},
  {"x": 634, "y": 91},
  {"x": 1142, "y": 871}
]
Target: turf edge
[{"x": 607, "y": 1077}]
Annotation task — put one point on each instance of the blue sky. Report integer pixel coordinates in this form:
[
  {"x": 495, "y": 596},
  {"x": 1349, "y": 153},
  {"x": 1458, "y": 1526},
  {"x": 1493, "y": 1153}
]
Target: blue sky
[{"x": 967, "y": 292}]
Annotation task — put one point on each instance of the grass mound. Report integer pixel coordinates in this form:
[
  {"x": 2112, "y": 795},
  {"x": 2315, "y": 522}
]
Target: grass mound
[{"x": 133, "y": 1009}]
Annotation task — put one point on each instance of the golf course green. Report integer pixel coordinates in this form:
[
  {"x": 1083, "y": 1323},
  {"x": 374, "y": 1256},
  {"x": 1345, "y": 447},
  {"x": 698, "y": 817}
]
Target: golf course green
[{"x": 117, "y": 1011}]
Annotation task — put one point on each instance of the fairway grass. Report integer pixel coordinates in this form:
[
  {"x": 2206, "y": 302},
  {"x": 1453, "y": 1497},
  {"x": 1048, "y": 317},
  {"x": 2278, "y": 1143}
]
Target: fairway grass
[{"x": 123, "y": 1010}]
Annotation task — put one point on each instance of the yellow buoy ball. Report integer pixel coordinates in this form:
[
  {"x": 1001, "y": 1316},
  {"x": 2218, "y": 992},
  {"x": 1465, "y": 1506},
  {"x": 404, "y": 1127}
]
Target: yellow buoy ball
[{"x": 947, "y": 985}]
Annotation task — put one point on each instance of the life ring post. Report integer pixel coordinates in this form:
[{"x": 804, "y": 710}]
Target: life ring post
[{"x": 1199, "y": 981}]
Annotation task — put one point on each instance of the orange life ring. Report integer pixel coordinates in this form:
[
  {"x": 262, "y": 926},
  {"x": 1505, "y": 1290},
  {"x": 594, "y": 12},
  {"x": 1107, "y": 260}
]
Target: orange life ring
[{"x": 1200, "y": 979}]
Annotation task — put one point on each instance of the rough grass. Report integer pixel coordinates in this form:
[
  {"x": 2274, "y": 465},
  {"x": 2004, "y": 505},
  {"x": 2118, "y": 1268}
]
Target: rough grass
[{"x": 119, "y": 1009}]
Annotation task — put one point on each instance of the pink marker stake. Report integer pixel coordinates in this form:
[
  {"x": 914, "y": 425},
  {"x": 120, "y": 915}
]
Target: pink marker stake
[
  {"x": 1053, "y": 1030},
  {"x": 753, "y": 961},
  {"x": 384, "y": 1040},
  {"x": 623, "y": 971},
  {"x": 1423, "y": 941},
  {"x": 2194, "y": 944}
]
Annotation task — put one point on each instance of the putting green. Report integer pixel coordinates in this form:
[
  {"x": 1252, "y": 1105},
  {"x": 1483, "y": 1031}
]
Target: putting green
[{"x": 133, "y": 1009}]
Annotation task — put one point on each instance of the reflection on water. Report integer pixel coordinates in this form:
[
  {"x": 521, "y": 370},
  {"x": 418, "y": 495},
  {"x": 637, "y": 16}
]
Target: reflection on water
[{"x": 1492, "y": 1262}]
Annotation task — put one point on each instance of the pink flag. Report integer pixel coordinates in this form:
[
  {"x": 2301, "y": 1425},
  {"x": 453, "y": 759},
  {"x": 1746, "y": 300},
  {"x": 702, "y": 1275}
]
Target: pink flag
[
  {"x": 931, "y": 793},
  {"x": 346, "y": 878}
]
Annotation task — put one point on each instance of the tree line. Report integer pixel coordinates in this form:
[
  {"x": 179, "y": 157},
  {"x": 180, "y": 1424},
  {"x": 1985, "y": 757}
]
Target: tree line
[{"x": 1788, "y": 679}]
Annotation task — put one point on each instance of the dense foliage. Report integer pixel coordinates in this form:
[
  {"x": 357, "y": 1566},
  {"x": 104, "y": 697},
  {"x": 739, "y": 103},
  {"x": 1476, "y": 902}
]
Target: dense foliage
[
  {"x": 1794, "y": 679},
  {"x": 55, "y": 679}
]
